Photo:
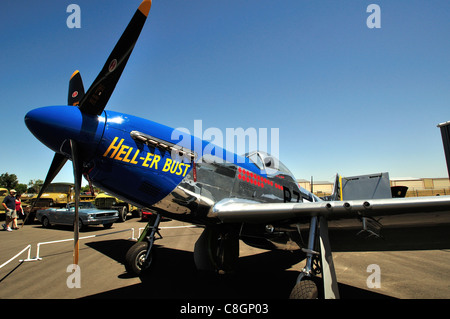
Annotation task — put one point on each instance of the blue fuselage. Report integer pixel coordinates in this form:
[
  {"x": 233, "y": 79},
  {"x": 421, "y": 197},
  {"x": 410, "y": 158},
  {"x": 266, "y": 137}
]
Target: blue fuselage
[{"x": 154, "y": 166}]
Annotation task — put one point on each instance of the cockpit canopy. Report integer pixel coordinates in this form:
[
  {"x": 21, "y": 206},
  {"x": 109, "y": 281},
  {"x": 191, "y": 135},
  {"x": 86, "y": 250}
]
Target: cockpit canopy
[{"x": 268, "y": 163}]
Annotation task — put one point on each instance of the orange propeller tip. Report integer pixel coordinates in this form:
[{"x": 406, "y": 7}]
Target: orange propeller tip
[
  {"x": 145, "y": 7},
  {"x": 74, "y": 73}
]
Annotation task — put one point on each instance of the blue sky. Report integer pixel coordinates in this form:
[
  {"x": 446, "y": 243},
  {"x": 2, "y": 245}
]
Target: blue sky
[{"x": 346, "y": 99}]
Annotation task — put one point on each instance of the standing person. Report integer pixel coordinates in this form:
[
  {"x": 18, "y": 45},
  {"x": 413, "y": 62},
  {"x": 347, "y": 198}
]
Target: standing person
[
  {"x": 19, "y": 211},
  {"x": 10, "y": 208}
]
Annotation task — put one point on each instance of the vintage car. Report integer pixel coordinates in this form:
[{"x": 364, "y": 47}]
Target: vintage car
[{"x": 88, "y": 214}]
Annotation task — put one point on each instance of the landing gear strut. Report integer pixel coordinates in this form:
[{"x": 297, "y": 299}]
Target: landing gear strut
[
  {"x": 317, "y": 262},
  {"x": 217, "y": 250},
  {"x": 140, "y": 256}
]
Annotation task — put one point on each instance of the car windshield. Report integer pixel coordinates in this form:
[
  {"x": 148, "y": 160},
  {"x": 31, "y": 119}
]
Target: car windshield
[
  {"x": 58, "y": 188},
  {"x": 82, "y": 205}
]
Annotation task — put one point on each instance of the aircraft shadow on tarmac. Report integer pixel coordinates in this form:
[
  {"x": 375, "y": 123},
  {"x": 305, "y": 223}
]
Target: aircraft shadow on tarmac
[
  {"x": 174, "y": 276},
  {"x": 393, "y": 239}
]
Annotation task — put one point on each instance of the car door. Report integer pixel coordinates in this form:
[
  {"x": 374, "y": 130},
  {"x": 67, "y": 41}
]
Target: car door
[
  {"x": 52, "y": 215},
  {"x": 65, "y": 215}
]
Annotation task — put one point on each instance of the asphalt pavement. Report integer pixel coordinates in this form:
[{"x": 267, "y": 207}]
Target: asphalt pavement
[{"x": 422, "y": 273}]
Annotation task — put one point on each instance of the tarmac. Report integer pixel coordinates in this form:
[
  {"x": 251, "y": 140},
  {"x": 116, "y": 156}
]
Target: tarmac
[{"x": 383, "y": 271}]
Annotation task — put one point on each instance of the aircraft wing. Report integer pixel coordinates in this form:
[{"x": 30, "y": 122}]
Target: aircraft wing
[{"x": 242, "y": 210}]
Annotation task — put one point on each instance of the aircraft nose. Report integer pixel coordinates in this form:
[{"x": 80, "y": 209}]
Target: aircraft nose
[{"x": 53, "y": 125}]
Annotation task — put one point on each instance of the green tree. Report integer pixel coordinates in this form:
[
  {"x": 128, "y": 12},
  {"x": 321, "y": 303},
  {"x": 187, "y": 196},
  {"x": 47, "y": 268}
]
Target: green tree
[
  {"x": 8, "y": 181},
  {"x": 21, "y": 188},
  {"x": 35, "y": 185}
]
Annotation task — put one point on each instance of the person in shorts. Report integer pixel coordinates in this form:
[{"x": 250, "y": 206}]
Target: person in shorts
[
  {"x": 19, "y": 211},
  {"x": 9, "y": 203}
]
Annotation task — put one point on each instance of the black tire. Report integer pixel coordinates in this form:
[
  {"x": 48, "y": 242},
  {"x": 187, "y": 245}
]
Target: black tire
[
  {"x": 107, "y": 226},
  {"x": 217, "y": 251},
  {"x": 134, "y": 259},
  {"x": 305, "y": 289},
  {"x": 81, "y": 226},
  {"x": 123, "y": 211},
  {"x": 45, "y": 222}
]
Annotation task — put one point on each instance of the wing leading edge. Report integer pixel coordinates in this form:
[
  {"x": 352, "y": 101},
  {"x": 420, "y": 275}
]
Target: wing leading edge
[{"x": 241, "y": 210}]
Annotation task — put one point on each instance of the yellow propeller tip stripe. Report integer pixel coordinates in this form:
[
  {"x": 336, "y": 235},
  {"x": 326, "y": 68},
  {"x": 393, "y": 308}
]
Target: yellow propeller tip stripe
[
  {"x": 145, "y": 7},
  {"x": 74, "y": 73}
]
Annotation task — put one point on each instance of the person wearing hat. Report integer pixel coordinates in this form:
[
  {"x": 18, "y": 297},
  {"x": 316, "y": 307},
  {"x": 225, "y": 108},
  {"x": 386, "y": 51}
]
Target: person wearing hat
[{"x": 10, "y": 208}]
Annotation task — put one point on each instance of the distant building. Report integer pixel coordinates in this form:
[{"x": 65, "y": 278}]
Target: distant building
[
  {"x": 423, "y": 186},
  {"x": 416, "y": 186},
  {"x": 320, "y": 188}
]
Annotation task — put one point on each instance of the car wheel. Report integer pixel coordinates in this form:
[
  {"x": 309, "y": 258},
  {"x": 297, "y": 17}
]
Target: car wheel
[
  {"x": 123, "y": 211},
  {"x": 80, "y": 225},
  {"x": 45, "y": 222}
]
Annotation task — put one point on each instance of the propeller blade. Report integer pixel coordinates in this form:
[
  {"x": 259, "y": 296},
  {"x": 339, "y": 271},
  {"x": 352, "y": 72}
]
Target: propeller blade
[
  {"x": 96, "y": 98},
  {"x": 76, "y": 89},
  {"x": 77, "y": 174},
  {"x": 57, "y": 164}
]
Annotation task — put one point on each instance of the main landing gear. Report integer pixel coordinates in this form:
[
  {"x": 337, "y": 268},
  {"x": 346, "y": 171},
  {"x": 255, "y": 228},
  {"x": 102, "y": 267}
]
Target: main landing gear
[
  {"x": 317, "y": 262},
  {"x": 217, "y": 249},
  {"x": 140, "y": 256}
]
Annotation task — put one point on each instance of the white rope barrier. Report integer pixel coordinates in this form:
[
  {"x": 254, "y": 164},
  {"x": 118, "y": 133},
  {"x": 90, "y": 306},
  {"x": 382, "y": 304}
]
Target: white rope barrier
[
  {"x": 38, "y": 246},
  {"x": 17, "y": 255},
  {"x": 167, "y": 227}
]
